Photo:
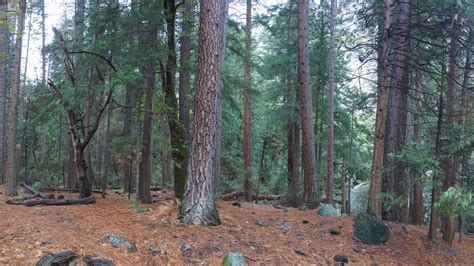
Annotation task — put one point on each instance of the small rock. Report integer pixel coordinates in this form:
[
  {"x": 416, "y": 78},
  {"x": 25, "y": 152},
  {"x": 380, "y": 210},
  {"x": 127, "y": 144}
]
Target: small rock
[
  {"x": 154, "y": 250},
  {"x": 285, "y": 226},
  {"x": 300, "y": 252},
  {"x": 334, "y": 231},
  {"x": 236, "y": 204},
  {"x": 329, "y": 211},
  {"x": 287, "y": 209},
  {"x": 97, "y": 262},
  {"x": 261, "y": 223},
  {"x": 302, "y": 208},
  {"x": 305, "y": 221},
  {"x": 117, "y": 241},
  {"x": 341, "y": 259},
  {"x": 141, "y": 210},
  {"x": 233, "y": 259},
  {"x": 63, "y": 258},
  {"x": 452, "y": 252},
  {"x": 186, "y": 249},
  {"x": 405, "y": 228}
]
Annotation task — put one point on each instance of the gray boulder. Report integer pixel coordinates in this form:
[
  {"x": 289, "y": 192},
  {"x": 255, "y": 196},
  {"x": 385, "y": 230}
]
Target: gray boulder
[
  {"x": 233, "y": 259},
  {"x": 59, "y": 259},
  {"x": 470, "y": 228},
  {"x": 370, "y": 230},
  {"x": 359, "y": 198},
  {"x": 329, "y": 211}
]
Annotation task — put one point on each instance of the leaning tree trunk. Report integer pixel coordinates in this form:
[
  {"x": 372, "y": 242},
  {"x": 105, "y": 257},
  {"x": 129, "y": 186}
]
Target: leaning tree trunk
[
  {"x": 374, "y": 206},
  {"x": 198, "y": 205},
  {"x": 10, "y": 173},
  {"x": 306, "y": 107},
  {"x": 331, "y": 70}
]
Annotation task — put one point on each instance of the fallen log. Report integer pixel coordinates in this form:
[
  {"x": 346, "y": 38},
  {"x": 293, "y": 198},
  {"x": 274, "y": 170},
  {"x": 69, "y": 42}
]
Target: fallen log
[
  {"x": 236, "y": 194},
  {"x": 53, "y": 202},
  {"x": 35, "y": 192},
  {"x": 72, "y": 190}
]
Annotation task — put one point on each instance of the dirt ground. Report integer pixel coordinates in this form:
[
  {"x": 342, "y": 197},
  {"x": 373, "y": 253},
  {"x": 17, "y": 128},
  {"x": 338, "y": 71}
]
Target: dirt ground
[{"x": 26, "y": 233}]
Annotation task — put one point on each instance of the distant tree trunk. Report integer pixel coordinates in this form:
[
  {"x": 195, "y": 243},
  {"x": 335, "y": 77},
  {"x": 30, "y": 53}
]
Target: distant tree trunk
[
  {"x": 144, "y": 183},
  {"x": 3, "y": 83},
  {"x": 343, "y": 188},
  {"x": 448, "y": 167},
  {"x": 332, "y": 60},
  {"x": 72, "y": 170},
  {"x": 247, "y": 141},
  {"x": 179, "y": 149},
  {"x": 166, "y": 157},
  {"x": 374, "y": 203},
  {"x": 435, "y": 190},
  {"x": 108, "y": 152},
  {"x": 43, "y": 44},
  {"x": 185, "y": 73},
  {"x": 306, "y": 106},
  {"x": 10, "y": 173},
  {"x": 198, "y": 205},
  {"x": 418, "y": 215}
]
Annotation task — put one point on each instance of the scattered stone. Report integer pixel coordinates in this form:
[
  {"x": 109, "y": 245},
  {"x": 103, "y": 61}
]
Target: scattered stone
[
  {"x": 286, "y": 209},
  {"x": 236, "y": 204},
  {"x": 186, "y": 249},
  {"x": 356, "y": 250},
  {"x": 335, "y": 231},
  {"x": 370, "y": 230},
  {"x": 329, "y": 211},
  {"x": 285, "y": 226},
  {"x": 470, "y": 228},
  {"x": 341, "y": 259},
  {"x": 405, "y": 228},
  {"x": 261, "y": 223},
  {"x": 233, "y": 259},
  {"x": 141, "y": 210},
  {"x": 63, "y": 258},
  {"x": 154, "y": 250},
  {"x": 90, "y": 261},
  {"x": 300, "y": 252},
  {"x": 117, "y": 241},
  {"x": 302, "y": 208},
  {"x": 452, "y": 252},
  {"x": 305, "y": 221}
]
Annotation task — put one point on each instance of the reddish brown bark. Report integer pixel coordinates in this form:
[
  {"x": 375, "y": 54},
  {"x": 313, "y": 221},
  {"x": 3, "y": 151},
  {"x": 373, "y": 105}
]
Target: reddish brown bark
[
  {"x": 375, "y": 204},
  {"x": 418, "y": 217},
  {"x": 306, "y": 107}
]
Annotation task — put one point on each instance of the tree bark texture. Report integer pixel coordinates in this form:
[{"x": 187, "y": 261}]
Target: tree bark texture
[
  {"x": 14, "y": 96},
  {"x": 374, "y": 203},
  {"x": 306, "y": 107},
  {"x": 418, "y": 215},
  {"x": 247, "y": 141},
  {"x": 198, "y": 205},
  {"x": 331, "y": 87},
  {"x": 3, "y": 84}
]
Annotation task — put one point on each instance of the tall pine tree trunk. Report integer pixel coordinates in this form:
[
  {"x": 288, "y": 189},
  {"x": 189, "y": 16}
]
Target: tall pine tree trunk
[
  {"x": 198, "y": 205},
  {"x": 14, "y": 95},
  {"x": 247, "y": 141},
  {"x": 332, "y": 59},
  {"x": 306, "y": 107},
  {"x": 374, "y": 206},
  {"x": 418, "y": 215},
  {"x": 3, "y": 83}
]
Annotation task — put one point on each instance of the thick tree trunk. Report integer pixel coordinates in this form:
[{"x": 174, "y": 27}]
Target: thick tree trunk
[
  {"x": 418, "y": 215},
  {"x": 247, "y": 141},
  {"x": 374, "y": 203},
  {"x": 127, "y": 134},
  {"x": 332, "y": 60},
  {"x": 397, "y": 114},
  {"x": 3, "y": 84},
  {"x": 10, "y": 173},
  {"x": 198, "y": 205},
  {"x": 306, "y": 107},
  {"x": 450, "y": 179},
  {"x": 144, "y": 183}
]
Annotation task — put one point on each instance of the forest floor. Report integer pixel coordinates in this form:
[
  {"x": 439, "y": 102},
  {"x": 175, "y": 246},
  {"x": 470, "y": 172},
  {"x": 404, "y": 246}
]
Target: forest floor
[{"x": 26, "y": 233}]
